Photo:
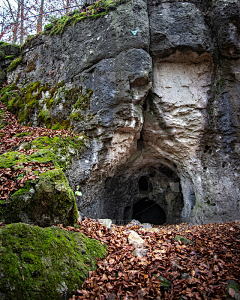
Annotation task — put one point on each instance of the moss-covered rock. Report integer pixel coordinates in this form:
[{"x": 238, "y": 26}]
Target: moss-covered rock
[
  {"x": 42, "y": 105},
  {"x": 2, "y": 118},
  {"x": 234, "y": 286},
  {"x": 165, "y": 283},
  {"x": 46, "y": 200},
  {"x": 8, "y": 52},
  {"x": 50, "y": 263},
  {"x": 179, "y": 238},
  {"x": 64, "y": 148},
  {"x": 14, "y": 64},
  {"x": 2, "y": 77}
]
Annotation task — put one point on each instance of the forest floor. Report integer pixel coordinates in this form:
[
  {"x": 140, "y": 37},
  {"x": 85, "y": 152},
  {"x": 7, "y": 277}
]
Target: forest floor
[{"x": 208, "y": 268}]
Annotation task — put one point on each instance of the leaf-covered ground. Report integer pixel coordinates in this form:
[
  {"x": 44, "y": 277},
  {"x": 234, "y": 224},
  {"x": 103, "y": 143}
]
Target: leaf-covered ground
[{"x": 194, "y": 271}]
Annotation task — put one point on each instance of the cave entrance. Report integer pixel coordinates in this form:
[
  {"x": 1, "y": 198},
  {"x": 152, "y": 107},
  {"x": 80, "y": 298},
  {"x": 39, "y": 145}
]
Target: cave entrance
[
  {"x": 143, "y": 184},
  {"x": 150, "y": 194},
  {"x": 148, "y": 211}
]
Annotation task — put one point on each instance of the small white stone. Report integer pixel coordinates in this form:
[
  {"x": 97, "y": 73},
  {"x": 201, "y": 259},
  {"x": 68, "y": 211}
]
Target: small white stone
[
  {"x": 139, "y": 252},
  {"x": 135, "y": 239},
  {"x": 106, "y": 222}
]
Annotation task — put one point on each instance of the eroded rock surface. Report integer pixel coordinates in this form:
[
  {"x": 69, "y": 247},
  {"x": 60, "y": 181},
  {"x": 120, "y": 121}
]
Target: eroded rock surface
[{"x": 164, "y": 106}]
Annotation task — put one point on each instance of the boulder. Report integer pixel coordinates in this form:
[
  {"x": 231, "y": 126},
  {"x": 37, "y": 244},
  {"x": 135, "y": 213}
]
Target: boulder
[
  {"x": 139, "y": 252},
  {"x": 106, "y": 222},
  {"x": 44, "y": 201},
  {"x": 44, "y": 264},
  {"x": 135, "y": 239}
]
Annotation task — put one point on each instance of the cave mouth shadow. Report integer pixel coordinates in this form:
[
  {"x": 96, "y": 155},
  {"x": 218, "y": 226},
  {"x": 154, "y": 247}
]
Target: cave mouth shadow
[
  {"x": 150, "y": 194},
  {"x": 148, "y": 211},
  {"x": 143, "y": 184}
]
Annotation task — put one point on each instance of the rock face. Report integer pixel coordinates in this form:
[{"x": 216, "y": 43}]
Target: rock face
[
  {"x": 163, "y": 116},
  {"x": 7, "y": 53}
]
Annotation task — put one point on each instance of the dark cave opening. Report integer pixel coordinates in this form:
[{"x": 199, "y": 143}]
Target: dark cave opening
[
  {"x": 148, "y": 211},
  {"x": 150, "y": 194},
  {"x": 143, "y": 184}
]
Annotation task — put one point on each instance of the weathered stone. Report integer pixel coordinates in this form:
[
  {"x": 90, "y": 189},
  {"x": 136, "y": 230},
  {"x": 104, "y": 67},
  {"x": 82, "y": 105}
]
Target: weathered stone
[
  {"x": 134, "y": 222},
  {"x": 237, "y": 296},
  {"x": 140, "y": 252},
  {"x": 135, "y": 239},
  {"x": 150, "y": 230},
  {"x": 106, "y": 222},
  {"x": 146, "y": 225},
  {"x": 175, "y": 24},
  {"x": 232, "y": 289},
  {"x": 185, "y": 276}
]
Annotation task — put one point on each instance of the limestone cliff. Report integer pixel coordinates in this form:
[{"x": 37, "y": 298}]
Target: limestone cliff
[{"x": 156, "y": 87}]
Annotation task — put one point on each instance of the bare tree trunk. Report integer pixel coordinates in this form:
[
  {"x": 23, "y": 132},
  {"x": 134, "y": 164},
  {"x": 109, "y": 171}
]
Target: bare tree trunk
[
  {"x": 67, "y": 5},
  {"x": 15, "y": 27},
  {"x": 22, "y": 17},
  {"x": 40, "y": 17},
  {"x": 15, "y": 19}
]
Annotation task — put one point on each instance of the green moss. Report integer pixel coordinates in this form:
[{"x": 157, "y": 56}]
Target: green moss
[
  {"x": 76, "y": 116},
  {"x": 4, "y": 45},
  {"x": 2, "y": 77},
  {"x": 11, "y": 158},
  {"x": 83, "y": 102},
  {"x": 60, "y": 124},
  {"x": 14, "y": 64},
  {"x": 2, "y": 118},
  {"x": 26, "y": 102},
  {"x": 97, "y": 10},
  {"x": 53, "y": 101},
  {"x": 47, "y": 263},
  {"x": 2, "y": 55},
  {"x": 63, "y": 148},
  {"x": 9, "y": 57},
  {"x": 48, "y": 27},
  {"x": 44, "y": 116},
  {"x": 7, "y": 93},
  {"x": 45, "y": 201},
  {"x": 31, "y": 66},
  {"x": 23, "y": 102},
  {"x": 179, "y": 238},
  {"x": 219, "y": 85},
  {"x": 24, "y": 134}
]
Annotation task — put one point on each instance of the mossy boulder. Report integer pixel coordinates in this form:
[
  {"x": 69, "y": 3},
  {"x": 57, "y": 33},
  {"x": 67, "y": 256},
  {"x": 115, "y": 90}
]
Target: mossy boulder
[
  {"x": 232, "y": 288},
  {"x": 179, "y": 238},
  {"x": 44, "y": 263},
  {"x": 44, "y": 201}
]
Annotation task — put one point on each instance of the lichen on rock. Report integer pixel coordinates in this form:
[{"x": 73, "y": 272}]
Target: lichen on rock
[{"x": 50, "y": 263}]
